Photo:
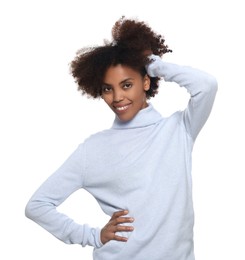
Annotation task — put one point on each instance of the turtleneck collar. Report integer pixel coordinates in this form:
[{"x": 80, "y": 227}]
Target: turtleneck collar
[{"x": 145, "y": 117}]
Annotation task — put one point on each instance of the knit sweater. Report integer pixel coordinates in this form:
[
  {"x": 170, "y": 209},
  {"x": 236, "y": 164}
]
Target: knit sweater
[{"x": 143, "y": 166}]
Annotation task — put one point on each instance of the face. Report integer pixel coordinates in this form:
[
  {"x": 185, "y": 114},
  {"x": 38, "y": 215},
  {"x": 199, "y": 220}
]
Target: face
[{"x": 124, "y": 91}]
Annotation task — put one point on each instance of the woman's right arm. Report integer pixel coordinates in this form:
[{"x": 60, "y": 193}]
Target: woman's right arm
[{"x": 42, "y": 207}]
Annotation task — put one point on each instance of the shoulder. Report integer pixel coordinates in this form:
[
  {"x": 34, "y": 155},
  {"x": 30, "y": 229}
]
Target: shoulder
[
  {"x": 173, "y": 123},
  {"x": 98, "y": 139}
]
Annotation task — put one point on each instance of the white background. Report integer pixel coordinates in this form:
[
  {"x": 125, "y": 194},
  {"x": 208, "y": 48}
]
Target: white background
[{"x": 44, "y": 118}]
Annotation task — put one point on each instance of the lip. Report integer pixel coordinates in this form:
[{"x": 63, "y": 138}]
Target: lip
[{"x": 121, "y": 109}]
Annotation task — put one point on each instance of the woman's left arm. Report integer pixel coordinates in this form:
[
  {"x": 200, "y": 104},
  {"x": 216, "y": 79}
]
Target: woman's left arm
[{"x": 201, "y": 86}]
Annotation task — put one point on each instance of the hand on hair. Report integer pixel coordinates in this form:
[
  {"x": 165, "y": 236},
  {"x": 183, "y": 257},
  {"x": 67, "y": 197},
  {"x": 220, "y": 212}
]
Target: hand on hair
[{"x": 155, "y": 67}]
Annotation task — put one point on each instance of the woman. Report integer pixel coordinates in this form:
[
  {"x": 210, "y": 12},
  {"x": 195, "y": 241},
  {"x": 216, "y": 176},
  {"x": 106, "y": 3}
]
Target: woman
[{"x": 139, "y": 170}]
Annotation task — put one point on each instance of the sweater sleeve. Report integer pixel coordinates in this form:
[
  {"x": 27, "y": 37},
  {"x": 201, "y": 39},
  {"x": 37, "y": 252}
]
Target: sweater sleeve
[
  {"x": 42, "y": 206},
  {"x": 201, "y": 86}
]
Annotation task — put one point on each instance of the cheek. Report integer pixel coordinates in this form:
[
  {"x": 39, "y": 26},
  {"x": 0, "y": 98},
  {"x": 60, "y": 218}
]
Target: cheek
[
  {"x": 107, "y": 99},
  {"x": 141, "y": 96}
]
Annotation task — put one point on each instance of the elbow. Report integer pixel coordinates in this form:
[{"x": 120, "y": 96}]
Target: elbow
[
  {"x": 210, "y": 85},
  {"x": 213, "y": 83},
  {"x": 28, "y": 210},
  {"x": 36, "y": 209},
  {"x": 32, "y": 210}
]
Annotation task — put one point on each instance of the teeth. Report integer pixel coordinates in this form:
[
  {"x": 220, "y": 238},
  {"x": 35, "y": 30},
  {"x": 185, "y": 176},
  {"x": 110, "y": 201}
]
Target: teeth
[{"x": 121, "y": 108}]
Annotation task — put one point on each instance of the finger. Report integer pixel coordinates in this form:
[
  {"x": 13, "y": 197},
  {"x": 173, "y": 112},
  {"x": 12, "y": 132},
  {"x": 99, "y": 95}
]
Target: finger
[
  {"x": 122, "y": 220},
  {"x": 119, "y": 238},
  {"x": 120, "y": 228},
  {"x": 119, "y": 214}
]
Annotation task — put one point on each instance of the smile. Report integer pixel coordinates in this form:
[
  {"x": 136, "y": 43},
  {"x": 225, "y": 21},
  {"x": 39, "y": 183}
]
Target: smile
[{"x": 122, "y": 108}]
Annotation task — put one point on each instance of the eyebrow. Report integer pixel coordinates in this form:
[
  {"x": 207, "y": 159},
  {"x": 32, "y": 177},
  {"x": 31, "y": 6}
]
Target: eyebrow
[{"x": 122, "y": 82}]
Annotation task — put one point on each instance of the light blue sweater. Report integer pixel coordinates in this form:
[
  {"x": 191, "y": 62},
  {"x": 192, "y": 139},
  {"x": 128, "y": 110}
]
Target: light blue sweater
[{"x": 144, "y": 166}]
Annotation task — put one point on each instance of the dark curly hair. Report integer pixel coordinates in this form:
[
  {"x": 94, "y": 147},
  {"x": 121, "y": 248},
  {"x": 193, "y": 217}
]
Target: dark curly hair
[{"x": 131, "y": 42}]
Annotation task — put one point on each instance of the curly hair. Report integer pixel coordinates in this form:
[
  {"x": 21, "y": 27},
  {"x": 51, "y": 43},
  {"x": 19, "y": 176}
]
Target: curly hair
[{"x": 131, "y": 40}]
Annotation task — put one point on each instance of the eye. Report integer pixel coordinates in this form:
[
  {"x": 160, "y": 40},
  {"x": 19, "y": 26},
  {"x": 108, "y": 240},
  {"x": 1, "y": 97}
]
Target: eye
[
  {"x": 127, "y": 85},
  {"x": 106, "y": 89}
]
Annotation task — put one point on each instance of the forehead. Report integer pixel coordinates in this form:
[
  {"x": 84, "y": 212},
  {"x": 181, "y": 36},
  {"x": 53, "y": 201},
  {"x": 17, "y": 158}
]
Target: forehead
[{"x": 120, "y": 72}]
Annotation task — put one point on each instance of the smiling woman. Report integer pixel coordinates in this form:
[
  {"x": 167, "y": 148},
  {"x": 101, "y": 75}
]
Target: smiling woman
[
  {"x": 139, "y": 170},
  {"x": 132, "y": 42},
  {"x": 124, "y": 91}
]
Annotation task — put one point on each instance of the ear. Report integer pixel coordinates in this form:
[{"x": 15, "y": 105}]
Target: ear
[{"x": 147, "y": 82}]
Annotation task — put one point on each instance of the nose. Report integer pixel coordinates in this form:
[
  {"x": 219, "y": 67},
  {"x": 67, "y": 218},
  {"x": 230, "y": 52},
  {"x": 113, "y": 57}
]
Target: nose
[{"x": 118, "y": 96}]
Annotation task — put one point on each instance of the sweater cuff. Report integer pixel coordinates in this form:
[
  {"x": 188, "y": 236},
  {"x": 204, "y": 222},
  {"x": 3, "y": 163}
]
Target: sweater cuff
[
  {"x": 97, "y": 239},
  {"x": 94, "y": 238}
]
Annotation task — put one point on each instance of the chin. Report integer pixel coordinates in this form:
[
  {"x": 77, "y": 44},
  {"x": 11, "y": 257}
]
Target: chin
[{"x": 125, "y": 118}]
